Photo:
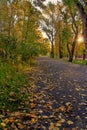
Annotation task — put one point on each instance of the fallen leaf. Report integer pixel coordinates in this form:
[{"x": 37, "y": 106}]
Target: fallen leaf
[
  {"x": 11, "y": 119},
  {"x": 6, "y": 120},
  {"x": 56, "y": 128},
  {"x": 12, "y": 94},
  {"x": 58, "y": 124},
  {"x": 32, "y": 105},
  {"x": 69, "y": 122},
  {"x": 68, "y": 103},
  {"x": 20, "y": 126},
  {"x": 33, "y": 120},
  {"x": 51, "y": 127},
  {"x": 45, "y": 117},
  {"x": 3, "y": 124},
  {"x": 62, "y": 108},
  {"x": 62, "y": 120}
]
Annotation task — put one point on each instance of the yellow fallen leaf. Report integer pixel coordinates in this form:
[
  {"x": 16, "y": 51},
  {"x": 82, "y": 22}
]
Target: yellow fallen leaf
[
  {"x": 33, "y": 120},
  {"x": 58, "y": 124},
  {"x": 31, "y": 100},
  {"x": 45, "y": 117},
  {"x": 51, "y": 126},
  {"x": 6, "y": 121},
  {"x": 20, "y": 126},
  {"x": 77, "y": 89},
  {"x": 17, "y": 114},
  {"x": 31, "y": 115},
  {"x": 11, "y": 119},
  {"x": 32, "y": 105},
  {"x": 62, "y": 120},
  {"x": 5, "y": 128},
  {"x": 62, "y": 108},
  {"x": 69, "y": 122},
  {"x": 68, "y": 103},
  {"x": 3, "y": 124}
]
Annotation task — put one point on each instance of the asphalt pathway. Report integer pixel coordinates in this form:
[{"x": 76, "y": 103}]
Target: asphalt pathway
[{"x": 59, "y": 100}]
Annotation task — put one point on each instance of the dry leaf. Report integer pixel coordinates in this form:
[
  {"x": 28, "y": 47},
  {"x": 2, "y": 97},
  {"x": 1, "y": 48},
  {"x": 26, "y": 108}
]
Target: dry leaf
[
  {"x": 33, "y": 120},
  {"x": 68, "y": 103},
  {"x": 45, "y": 117},
  {"x": 3, "y": 124},
  {"x": 62, "y": 120},
  {"x": 6, "y": 121},
  {"x": 69, "y": 122},
  {"x": 32, "y": 105},
  {"x": 11, "y": 119},
  {"x": 62, "y": 108},
  {"x": 20, "y": 126},
  {"x": 51, "y": 126},
  {"x": 58, "y": 124}
]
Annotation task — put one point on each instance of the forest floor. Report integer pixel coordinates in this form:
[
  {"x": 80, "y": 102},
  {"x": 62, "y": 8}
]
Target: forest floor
[{"x": 58, "y": 98}]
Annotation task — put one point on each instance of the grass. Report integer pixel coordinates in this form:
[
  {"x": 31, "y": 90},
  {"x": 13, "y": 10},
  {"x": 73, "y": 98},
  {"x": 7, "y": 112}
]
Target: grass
[
  {"x": 80, "y": 62},
  {"x": 77, "y": 61},
  {"x": 11, "y": 81}
]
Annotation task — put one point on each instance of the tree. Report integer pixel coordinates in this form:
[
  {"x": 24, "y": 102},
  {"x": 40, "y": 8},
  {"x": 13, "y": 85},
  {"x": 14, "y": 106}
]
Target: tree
[
  {"x": 82, "y": 9},
  {"x": 58, "y": 29},
  {"x": 75, "y": 25},
  {"x": 47, "y": 25}
]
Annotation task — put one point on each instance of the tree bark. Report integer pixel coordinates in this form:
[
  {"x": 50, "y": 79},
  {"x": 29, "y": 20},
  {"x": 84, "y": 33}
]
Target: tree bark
[
  {"x": 52, "y": 50},
  {"x": 71, "y": 52},
  {"x": 84, "y": 22}
]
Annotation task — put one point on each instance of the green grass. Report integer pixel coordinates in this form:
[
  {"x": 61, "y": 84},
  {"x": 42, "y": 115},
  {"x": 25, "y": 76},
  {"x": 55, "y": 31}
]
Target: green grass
[
  {"x": 11, "y": 81},
  {"x": 77, "y": 61},
  {"x": 80, "y": 62}
]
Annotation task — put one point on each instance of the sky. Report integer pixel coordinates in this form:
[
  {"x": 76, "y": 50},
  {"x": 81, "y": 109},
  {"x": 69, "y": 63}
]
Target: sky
[{"x": 53, "y": 1}]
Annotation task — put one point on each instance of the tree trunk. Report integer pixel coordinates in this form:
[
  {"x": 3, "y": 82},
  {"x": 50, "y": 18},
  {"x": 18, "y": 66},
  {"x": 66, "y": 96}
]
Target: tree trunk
[
  {"x": 84, "y": 56},
  {"x": 70, "y": 54},
  {"x": 60, "y": 51},
  {"x": 83, "y": 15},
  {"x": 70, "y": 58},
  {"x": 85, "y": 29},
  {"x": 52, "y": 51}
]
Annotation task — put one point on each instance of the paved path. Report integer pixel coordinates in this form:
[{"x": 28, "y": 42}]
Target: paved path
[{"x": 59, "y": 96}]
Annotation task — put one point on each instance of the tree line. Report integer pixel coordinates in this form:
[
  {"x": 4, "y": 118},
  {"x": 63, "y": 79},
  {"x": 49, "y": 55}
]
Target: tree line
[
  {"x": 64, "y": 24},
  {"x": 20, "y": 42}
]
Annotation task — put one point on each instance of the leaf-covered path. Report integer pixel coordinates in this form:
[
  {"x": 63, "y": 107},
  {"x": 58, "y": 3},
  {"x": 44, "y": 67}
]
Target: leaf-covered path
[{"x": 60, "y": 96}]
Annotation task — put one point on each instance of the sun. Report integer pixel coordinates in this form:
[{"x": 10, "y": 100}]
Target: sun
[{"x": 80, "y": 39}]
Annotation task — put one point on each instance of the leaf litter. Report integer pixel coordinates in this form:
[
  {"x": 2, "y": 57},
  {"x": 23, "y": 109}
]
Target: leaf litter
[{"x": 55, "y": 101}]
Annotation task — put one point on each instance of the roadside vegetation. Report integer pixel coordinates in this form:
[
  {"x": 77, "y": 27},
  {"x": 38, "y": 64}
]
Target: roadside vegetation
[{"x": 22, "y": 40}]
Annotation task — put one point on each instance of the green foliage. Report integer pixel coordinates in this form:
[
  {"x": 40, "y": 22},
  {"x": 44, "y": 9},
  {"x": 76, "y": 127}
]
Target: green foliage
[
  {"x": 9, "y": 47},
  {"x": 69, "y": 2},
  {"x": 85, "y": 9},
  {"x": 66, "y": 34},
  {"x": 28, "y": 50},
  {"x": 80, "y": 62},
  {"x": 10, "y": 81},
  {"x": 20, "y": 42}
]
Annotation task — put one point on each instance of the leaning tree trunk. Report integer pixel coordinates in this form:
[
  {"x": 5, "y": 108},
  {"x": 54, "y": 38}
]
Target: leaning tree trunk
[
  {"x": 84, "y": 23},
  {"x": 71, "y": 52},
  {"x": 83, "y": 15}
]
